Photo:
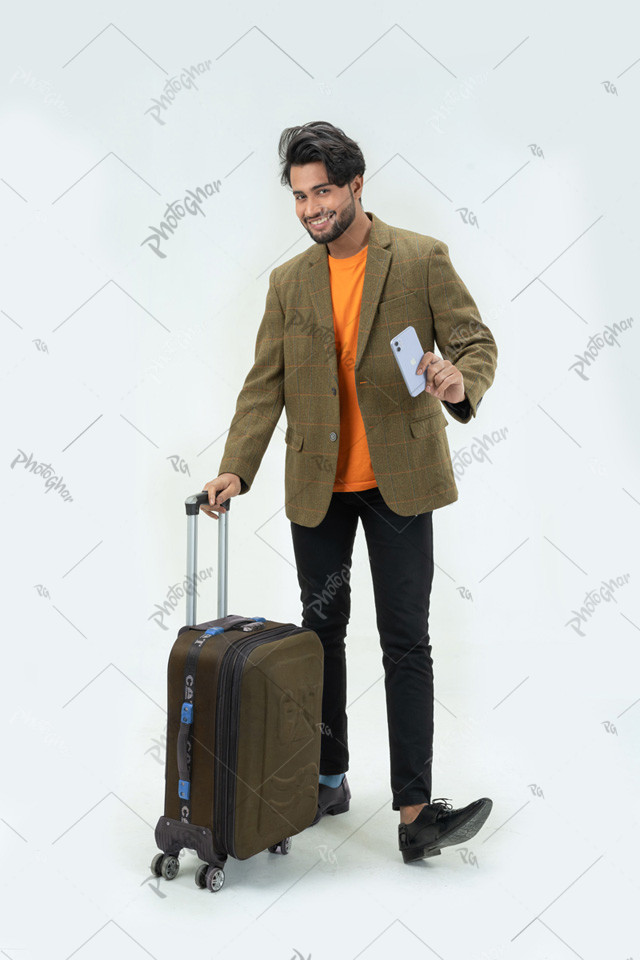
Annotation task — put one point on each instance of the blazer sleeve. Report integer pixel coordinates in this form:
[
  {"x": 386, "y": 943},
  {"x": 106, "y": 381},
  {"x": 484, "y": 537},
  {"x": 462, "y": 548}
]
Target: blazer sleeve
[
  {"x": 460, "y": 333},
  {"x": 261, "y": 399}
]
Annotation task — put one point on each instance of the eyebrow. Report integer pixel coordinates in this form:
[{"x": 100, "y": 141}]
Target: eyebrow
[{"x": 317, "y": 187}]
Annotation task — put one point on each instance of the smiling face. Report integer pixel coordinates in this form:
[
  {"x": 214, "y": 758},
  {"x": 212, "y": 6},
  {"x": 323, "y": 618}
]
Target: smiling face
[{"x": 333, "y": 207}]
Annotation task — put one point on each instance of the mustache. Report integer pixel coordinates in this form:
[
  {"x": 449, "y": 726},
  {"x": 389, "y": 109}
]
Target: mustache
[
  {"x": 328, "y": 213},
  {"x": 321, "y": 215}
]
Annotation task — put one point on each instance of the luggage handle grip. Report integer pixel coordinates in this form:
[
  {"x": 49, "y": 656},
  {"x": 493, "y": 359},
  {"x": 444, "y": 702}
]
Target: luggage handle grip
[
  {"x": 192, "y": 508},
  {"x": 193, "y": 503}
]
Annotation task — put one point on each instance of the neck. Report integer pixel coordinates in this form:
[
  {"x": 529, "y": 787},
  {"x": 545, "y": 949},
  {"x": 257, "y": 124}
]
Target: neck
[{"x": 355, "y": 237}]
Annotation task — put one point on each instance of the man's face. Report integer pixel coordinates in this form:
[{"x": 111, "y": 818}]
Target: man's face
[{"x": 316, "y": 199}]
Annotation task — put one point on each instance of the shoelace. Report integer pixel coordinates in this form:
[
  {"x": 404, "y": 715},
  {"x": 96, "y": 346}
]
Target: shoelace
[{"x": 443, "y": 807}]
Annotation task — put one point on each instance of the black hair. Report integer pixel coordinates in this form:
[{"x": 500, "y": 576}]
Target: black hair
[{"x": 320, "y": 140}]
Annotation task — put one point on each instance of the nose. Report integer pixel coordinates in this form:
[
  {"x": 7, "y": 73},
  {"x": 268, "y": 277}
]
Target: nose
[{"x": 313, "y": 210}]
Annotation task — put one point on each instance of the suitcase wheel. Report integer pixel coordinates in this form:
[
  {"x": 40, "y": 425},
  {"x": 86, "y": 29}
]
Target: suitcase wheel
[
  {"x": 211, "y": 876},
  {"x": 283, "y": 845},
  {"x": 164, "y": 865}
]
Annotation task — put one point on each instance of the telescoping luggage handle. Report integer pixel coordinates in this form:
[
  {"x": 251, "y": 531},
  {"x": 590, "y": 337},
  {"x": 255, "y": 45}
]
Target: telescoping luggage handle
[{"x": 192, "y": 506}]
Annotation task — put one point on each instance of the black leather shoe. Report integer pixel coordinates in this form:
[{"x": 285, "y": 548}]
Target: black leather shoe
[
  {"x": 332, "y": 799},
  {"x": 439, "y": 825}
]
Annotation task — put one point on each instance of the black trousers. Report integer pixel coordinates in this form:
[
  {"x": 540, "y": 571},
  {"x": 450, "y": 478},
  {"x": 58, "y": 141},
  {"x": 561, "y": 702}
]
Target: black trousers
[{"x": 401, "y": 560}]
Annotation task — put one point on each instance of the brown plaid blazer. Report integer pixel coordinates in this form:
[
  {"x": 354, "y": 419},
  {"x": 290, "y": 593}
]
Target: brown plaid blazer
[{"x": 408, "y": 278}]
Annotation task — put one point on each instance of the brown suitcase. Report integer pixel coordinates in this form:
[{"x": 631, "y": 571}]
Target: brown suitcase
[{"x": 244, "y": 711}]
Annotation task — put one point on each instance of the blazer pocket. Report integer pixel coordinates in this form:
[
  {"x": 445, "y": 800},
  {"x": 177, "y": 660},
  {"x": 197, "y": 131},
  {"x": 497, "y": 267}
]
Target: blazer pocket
[
  {"x": 430, "y": 423},
  {"x": 293, "y": 439},
  {"x": 401, "y": 305}
]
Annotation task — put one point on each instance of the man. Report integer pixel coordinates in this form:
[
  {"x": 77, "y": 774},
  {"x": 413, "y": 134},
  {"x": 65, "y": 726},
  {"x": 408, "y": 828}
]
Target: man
[{"x": 359, "y": 446}]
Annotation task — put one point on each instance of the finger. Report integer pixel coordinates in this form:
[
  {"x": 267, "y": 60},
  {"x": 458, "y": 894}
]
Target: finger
[
  {"x": 444, "y": 385},
  {"x": 213, "y": 496},
  {"x": 444, "y": 369},
  {"x": 212, "y": 508},
  {"x": 220, "y": 498},
  {"x": 427, "y": 359},
  {"x": 435, "y": 368}
]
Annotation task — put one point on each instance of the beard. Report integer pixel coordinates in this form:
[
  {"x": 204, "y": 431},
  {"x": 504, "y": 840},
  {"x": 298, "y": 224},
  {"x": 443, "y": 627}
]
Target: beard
[{"x": 340, "y": 221}]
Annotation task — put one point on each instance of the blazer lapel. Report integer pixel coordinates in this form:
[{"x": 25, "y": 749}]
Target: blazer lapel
[{"x": 375, "y": 274}]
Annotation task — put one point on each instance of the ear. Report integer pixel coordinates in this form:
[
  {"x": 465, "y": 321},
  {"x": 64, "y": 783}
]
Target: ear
[{"x": 356, "y": 185}]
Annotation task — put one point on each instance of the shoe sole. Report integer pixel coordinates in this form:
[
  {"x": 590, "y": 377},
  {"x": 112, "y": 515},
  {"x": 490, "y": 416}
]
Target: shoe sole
[
  {"x": 464, "y": 831},
  {"x": 336, "y": 808}
]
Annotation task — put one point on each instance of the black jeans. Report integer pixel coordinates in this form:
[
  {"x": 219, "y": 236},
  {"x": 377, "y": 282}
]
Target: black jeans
[{"x": 401, "y": 560}]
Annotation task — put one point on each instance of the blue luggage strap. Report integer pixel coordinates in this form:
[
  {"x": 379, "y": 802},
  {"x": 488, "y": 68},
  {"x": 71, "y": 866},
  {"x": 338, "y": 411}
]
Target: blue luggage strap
[{"x": 185, "y": 735}]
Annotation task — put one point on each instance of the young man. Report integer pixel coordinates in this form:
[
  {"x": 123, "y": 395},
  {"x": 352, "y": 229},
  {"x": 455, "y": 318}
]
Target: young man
[{"x": 360, "y": 447}]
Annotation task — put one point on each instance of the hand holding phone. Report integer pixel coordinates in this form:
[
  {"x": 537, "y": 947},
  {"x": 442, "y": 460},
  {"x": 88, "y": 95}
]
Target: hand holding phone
[{"x": 408, "y": 353}]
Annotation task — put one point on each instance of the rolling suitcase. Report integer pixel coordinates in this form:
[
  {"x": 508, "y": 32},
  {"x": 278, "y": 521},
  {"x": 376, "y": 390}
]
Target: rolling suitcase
[{"x": 244, "y": 711}]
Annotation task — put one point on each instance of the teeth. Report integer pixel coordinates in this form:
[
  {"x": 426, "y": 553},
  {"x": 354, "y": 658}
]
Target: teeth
[{"x": 322, "y": 220}]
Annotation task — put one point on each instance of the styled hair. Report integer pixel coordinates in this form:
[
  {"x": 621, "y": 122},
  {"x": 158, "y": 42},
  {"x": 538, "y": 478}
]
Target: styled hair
[{"x": 320, "y": 140}]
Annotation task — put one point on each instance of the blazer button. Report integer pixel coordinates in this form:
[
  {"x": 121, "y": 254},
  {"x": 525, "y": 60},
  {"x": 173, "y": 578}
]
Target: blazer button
[
  {"x": 333, "y": 391},
  {"x": 333, "y": 436}
]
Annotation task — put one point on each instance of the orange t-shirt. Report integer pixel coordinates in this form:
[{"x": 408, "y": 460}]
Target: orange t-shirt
[{"x": 354, "y": 470}]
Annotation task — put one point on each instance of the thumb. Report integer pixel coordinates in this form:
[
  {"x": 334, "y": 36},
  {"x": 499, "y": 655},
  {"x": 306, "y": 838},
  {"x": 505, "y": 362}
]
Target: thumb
[
  {"x": 213, "y": 495},
  {"x": 222, "y": 494}
]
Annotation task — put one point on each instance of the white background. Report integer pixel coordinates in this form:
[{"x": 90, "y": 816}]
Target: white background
[{"x": 507, "y": 131}]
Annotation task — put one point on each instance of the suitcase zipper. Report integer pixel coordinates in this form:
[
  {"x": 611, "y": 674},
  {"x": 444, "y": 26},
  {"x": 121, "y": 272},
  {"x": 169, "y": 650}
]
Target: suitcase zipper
[{"x": 226, "y": 740}]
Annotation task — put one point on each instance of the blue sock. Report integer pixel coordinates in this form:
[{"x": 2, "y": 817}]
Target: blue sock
[{"x": 333, "y": 780}]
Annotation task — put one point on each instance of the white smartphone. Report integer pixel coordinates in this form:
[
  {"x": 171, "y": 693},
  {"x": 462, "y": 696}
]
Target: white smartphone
[{"x": 408, "y": 353}]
